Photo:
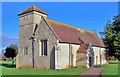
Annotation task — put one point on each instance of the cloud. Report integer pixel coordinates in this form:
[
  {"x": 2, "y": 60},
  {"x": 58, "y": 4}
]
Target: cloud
[{"x": 7, "y": 40}]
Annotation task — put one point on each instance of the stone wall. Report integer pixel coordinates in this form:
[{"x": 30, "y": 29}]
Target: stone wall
[
  {"x": 81, "y": 59},
  {"x": 23, "y": 60},
  {"x": 29, "y": 18}
]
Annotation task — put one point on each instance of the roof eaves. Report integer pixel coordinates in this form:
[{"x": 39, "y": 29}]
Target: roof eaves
[
  {"x": 99, "y": 46},
  {"x": 31, "y": 11}
]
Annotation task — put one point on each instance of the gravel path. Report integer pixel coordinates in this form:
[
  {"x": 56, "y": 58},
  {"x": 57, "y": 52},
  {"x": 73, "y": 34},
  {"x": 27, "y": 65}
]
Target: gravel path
[{"x": 92, "y": 72}]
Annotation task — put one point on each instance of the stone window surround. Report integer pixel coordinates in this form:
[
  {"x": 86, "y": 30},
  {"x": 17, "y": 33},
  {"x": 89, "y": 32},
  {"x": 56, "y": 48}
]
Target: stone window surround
[{"x": 42, "y": 51}]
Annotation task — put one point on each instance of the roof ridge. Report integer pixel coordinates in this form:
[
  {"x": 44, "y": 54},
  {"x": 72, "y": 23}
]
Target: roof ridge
[
  {"x": 70, "y": 26},
  {"x": 64, "y": 24}
]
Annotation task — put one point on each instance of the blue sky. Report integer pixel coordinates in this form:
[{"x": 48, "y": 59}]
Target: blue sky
[{"x": 87, "y": 15}]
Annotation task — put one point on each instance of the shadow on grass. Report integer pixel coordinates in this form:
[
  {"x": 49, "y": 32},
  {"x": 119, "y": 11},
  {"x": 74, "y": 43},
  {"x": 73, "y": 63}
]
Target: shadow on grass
[
  {"x": 113, "y": 63},
  {"x": 8, "y": 65}
]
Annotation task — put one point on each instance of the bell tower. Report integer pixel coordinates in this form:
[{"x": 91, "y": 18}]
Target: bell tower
[{"x": 28, "y": 19}]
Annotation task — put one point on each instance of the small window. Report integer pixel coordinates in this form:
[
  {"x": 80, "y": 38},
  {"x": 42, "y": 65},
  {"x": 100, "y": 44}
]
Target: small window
[
  {"x": 44, "y": 47},
  {"x": 26, "y": 51}
]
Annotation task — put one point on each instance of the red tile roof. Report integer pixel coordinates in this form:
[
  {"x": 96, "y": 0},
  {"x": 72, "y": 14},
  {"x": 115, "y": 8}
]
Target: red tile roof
[
  {"x": 90, "y": 38},
  {"x": 70, "y": 34},
  {"x": 64, "y": 32},
  {"x": 32, "y": 8},
  {"x": 83, "y": 48}
]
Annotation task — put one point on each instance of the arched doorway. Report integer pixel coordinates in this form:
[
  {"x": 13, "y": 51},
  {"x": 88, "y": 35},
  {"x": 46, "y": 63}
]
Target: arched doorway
[
  {"x": 91, "y": 61},
  {"x": 91, "y": 58}
]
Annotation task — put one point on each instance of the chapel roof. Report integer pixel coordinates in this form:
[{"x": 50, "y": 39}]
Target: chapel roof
[{"x": 70, "y": 34}]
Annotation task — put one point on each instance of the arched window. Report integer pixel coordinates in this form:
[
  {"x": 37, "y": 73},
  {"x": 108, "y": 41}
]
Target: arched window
[
  {"x": 26, "y": 51},
  {"x": 43, "y": 48}
]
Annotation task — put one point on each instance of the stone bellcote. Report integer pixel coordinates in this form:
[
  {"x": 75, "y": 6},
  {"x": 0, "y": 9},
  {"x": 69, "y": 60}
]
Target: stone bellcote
[{"x": 32, "y": 15}]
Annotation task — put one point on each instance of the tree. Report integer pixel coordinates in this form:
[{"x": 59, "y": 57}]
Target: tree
[
  {"x": 107, "y": 38},
  {"x": 116, "y": 29},
  {"x": 11, "y": 52},
  {"x": 111, "y": 37},
  {"x": 15, "y": 47}
]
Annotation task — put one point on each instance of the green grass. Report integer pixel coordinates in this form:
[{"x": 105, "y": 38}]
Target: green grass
[
  {"x": 111, "y": 68},
  {"x": 8, "y": 69}
]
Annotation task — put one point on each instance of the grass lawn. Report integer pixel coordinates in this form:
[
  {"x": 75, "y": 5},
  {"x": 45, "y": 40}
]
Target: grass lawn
[
  {"x": 111, "y": 68},
  {"x": 7, "y": 69}
]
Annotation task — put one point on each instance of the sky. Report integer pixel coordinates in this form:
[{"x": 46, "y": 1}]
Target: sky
[{"x": 87, "y": 15}]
